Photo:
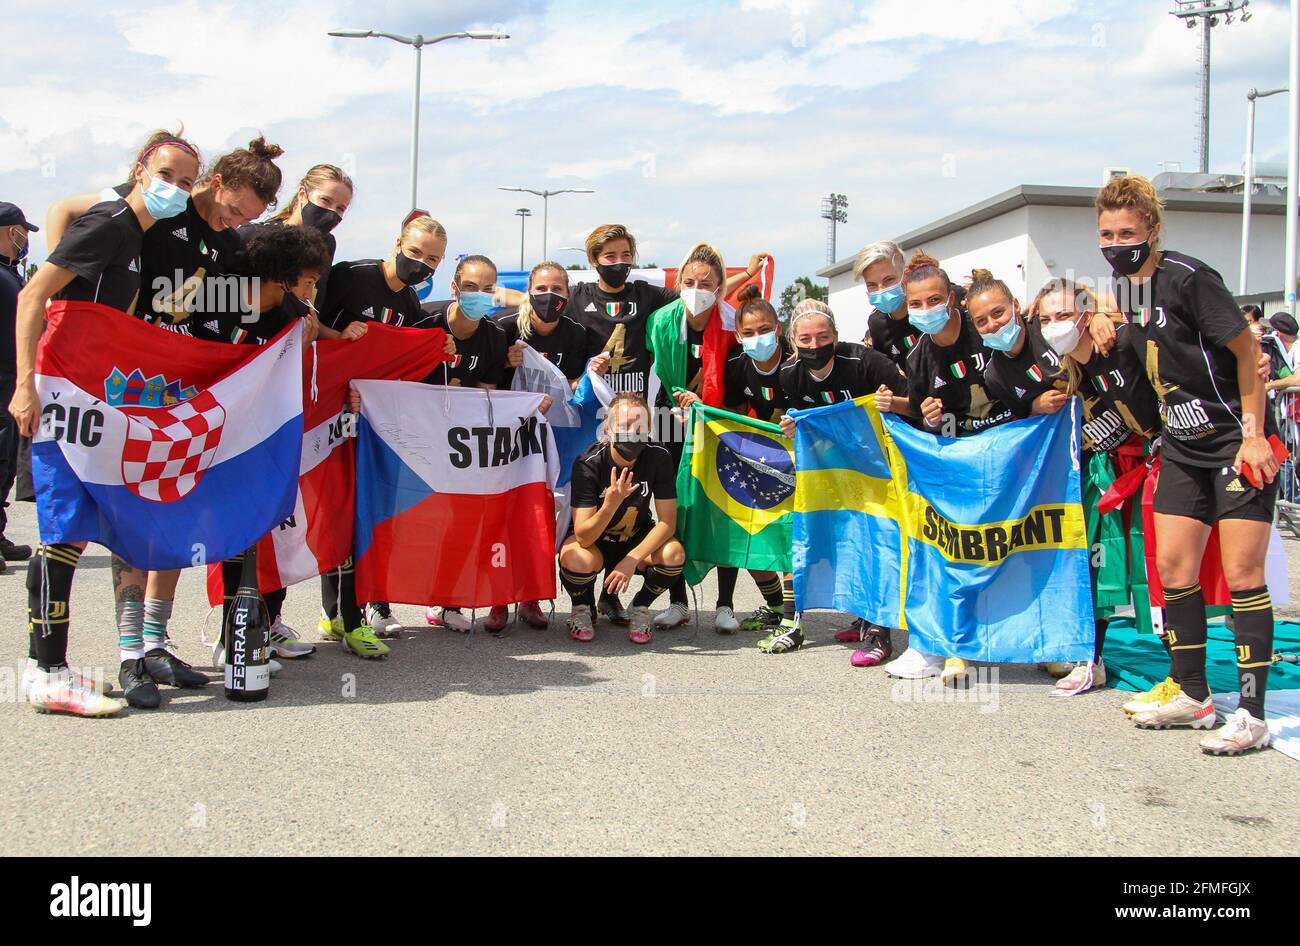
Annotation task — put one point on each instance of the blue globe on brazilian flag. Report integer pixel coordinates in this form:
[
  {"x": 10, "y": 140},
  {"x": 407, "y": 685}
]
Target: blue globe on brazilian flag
[{"x": 735, "y": 494}]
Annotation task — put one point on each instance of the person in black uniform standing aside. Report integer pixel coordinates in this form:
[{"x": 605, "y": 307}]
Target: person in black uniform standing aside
[
  {"x": 98, "y": 260},
  {"x": 1217, "y": 465},
  {"x": 14, "y": 230}
]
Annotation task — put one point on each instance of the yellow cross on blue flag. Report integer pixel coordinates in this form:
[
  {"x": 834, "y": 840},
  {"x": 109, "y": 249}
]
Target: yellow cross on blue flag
[{"x": 976, "y": 545}]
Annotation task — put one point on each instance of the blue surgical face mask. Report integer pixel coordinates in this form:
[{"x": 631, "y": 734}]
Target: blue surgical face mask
[
  {"x": 929, "y": 321},
  {"x": 887, "y": 300},
  {"x": 477, "y": 305},
  {"x": 760, "y": 347},
  {"x": 164, "y": 200},
  {"x": 1005, "y": 338}
]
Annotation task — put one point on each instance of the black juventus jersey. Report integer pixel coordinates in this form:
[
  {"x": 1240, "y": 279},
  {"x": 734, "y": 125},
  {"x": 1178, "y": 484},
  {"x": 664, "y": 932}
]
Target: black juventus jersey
[
  {"x": 479, "y": 359},
  {"x": 858, "y": 370},
  {"x": 654, "y": 473},
  {"x": 102, "y": 249},
  {"x": 1183, "y": 319},
  {"x": 568, "y": 346},
  {"x": 239, "y": 329},
  {"x": 359, "y": 292},
  {"x": 183, "y": 262},
  {"x": 617, "y": 323},
  {"x": 746, "y": 388},
  {"x": 892, "y": 337},
  {"x": 955, "y": 375},
  {"x": 1016, "y": 380},
  {"x": 1118, "y": 400}
]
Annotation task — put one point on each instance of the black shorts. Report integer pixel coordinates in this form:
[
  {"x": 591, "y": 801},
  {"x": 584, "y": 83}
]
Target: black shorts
[
  {"x": 1209, "y": 494},
  {"x": 615, "y": 552}
]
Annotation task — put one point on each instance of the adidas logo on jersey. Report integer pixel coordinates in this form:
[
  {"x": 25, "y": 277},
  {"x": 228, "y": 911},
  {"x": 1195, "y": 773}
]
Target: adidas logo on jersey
[
  {"x": 134, "y": 266},
  {"x": 591, "y": 307},
  {"x": 939, "y": 382},
  {"x": 1020, "y": 392},
  {"x": 213, "y": 326},
  {"x": 181, "y": 234},
  {"x": 368, "y": 312}
]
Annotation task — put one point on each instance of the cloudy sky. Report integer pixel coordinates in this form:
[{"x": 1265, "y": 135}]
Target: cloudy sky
[{"x": 721, "y": 121}]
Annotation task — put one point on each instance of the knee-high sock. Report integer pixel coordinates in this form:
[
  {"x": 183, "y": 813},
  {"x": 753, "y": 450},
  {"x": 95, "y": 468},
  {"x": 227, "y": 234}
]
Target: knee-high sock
[
  {"x": 1100, "y": 624},
  {"x": 129, "y": 605},
  {"x": 157, "y": 612},
  {"x": 1185, "y": 627},
  {"x": 580, "y": 586},
  {"x": 727, "y": 585},
  {"x": 275, "y": 603},
  {"x": 677, "y": 590},
  {"x": 49, "y": 589},
  {"x": 787, "y": 597},
  {"x": 349, "y": 610},
  {"x": 1164, "y": 642},
  {"x": 329, "y": 593},
  {"x": 1252, "y": 611},
  {"x": 770, "y": 589},
  {"x": 658, "y": 579}
]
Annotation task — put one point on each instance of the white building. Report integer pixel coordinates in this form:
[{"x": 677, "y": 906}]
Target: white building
[{"x": 1030, "y": 233}]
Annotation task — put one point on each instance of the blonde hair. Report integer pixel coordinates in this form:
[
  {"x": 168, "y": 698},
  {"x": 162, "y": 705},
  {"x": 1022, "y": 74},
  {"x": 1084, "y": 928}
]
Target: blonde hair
[
  {"x": 424, "y": 224},
  {"x": 317, "y": 176},
  {"x": 606, "y": 233},
  {"x": 1085, "y": 300},
  {"x": 710, "y": 256},
  {"x": 1136, "y": 193},
  {"x": 883, "y": 251},
  {"x": 807, "y": 307},
  {"x": 524, "y": 322}
]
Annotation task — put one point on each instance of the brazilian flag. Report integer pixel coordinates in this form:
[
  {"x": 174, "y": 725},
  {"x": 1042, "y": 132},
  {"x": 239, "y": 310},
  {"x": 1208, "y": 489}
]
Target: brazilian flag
[{"x": 735, "y": 494}]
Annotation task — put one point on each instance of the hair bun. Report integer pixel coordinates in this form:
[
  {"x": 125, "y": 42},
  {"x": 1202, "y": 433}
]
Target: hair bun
[
  {"x": 919, "y": 260},
  {"x": 978, "y": 274},
  {"x": 747, "y": 292},
  {"x": 260, "y": 147}
]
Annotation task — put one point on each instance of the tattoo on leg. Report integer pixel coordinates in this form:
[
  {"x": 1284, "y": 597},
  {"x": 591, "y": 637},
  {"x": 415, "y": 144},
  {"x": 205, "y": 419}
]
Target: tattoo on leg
[{"x": 128, "y": 582}]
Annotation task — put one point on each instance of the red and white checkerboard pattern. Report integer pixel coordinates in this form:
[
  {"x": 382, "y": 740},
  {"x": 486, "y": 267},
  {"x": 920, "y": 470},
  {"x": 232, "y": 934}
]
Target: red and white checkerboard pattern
[{"x": 167, "y": 449}]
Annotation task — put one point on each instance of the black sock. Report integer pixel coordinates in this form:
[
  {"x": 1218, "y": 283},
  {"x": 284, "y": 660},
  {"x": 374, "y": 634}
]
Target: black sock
[
  {"x": 727, "y": 585},
  {"x": 770, "y": 589},
  {"x": 580, "y": 586},
  {"x": 1100, "y": 624},
  {"x": 677, "y": 590},
  {"x": 349, "y": 609},
  {"x": 275, "y": 603},
  {"x": 1185, "y": 630},
  {"x": 787, "y": 597},
  {"x": 49, "y": 589},
  {"x": 658, "y": 579},
  {"x": 1252, "y": 611},
  {"x": 1164, "y": 642},
  {"x": 329, "y": 593}
]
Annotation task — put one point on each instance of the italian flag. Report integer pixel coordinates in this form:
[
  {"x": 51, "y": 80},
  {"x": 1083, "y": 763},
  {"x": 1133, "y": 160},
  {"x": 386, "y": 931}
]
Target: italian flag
[
  {"x": 238, "y": 335},
  {"x": 828, "y": 397},
  {"x": 1102, "y": 383},
  {"x": 1035, "y": 373},
  {"x": 958, "y": 370},
  {"x": 385, "y": 315},
  {"x": 766, "y": 394}
]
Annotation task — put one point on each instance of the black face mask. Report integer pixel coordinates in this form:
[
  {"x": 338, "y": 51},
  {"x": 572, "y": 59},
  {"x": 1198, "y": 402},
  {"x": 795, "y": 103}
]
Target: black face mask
[
  {"x": 548, "y": 306},
  {"x": 629, "y": 450},
  {"x": 412, "y": 271},
  {"x": 817, "y": 358},
  {"x": 323, "y": 219},
  {"x": 614, "y": 274},
  {"x": 1127, "y": 258}
]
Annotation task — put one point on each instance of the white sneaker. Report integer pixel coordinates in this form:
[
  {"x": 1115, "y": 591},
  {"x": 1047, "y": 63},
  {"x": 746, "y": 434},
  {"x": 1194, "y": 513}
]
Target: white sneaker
[
  {"x": 724, "y": 622},
  {"x": 287, "y": 643},
  {"x": 60, "y": 692},
  {"x": 95, "y": 682},
  {"x": 380, "y": 618},
  {"x": 1240, "y": 733},
  {"x": 675, "y": 615},
  {"x": 450, "y": 618},
  {"x": 911, "y": 664},
  {"x": 1182, "y": 710}
]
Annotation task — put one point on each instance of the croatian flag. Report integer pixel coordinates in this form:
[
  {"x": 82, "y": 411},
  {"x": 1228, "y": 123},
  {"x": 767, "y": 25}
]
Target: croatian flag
[
  {"x": 454, "y": 500},
  {"x": 317, "y": 535},
  {"x": 168, "y": 450}
]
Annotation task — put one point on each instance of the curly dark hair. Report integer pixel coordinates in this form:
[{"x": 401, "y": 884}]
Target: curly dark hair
[{"x": 280, "y": 253}]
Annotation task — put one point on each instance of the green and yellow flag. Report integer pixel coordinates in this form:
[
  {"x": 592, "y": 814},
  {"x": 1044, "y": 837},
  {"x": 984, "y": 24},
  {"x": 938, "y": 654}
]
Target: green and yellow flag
[{"x": 735, "y": 494}]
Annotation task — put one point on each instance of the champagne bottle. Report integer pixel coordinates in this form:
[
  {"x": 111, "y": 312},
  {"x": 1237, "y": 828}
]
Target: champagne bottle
[{"x": 247, "y": 635}]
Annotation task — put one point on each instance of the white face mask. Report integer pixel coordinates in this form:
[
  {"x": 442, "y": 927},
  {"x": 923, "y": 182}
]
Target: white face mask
[
  {"x": 698, "y": 301},
  {"x": 1062, "y": 337}
]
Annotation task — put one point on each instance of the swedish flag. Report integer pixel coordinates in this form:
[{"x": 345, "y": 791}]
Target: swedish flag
[
  {"x": 976, "y": 545},
  {"x": 735, "y": 493}
]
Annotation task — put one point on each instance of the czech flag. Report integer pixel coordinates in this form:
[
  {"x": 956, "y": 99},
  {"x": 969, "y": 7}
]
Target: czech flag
[
  {"x": 454, "y": 501},
  {"x": 168, "y": 450}
]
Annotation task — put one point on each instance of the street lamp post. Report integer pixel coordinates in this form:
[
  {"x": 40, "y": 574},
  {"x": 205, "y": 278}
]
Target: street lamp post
[
  {"x": 546, "y": 196},
  {"x": 417, "y": 41},
  {"x": 1249, "y": 187},
  {"x": 1208, "y": 13},
  {"x": 523, "y": 213}
]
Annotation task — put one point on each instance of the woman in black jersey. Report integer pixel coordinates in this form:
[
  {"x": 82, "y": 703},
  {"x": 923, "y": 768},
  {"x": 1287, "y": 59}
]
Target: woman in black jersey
[
  {"x": 1216, "y": 466},
  {"x": 824, "y": 370},
  {"x": 1120, "y": 420},
  {"x": 624, "y": 516},
  {"x": 880, "y": 267},
  {"x": 542, "y": 323},
  {"x": 752, "y": 385},
  {"x": 97, "y": 260},
  {"x": 360, "y": 292}
]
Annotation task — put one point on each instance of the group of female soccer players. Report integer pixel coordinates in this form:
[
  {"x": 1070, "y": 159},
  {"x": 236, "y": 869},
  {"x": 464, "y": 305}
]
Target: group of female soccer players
[{"x": 1166, "y": 366}]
